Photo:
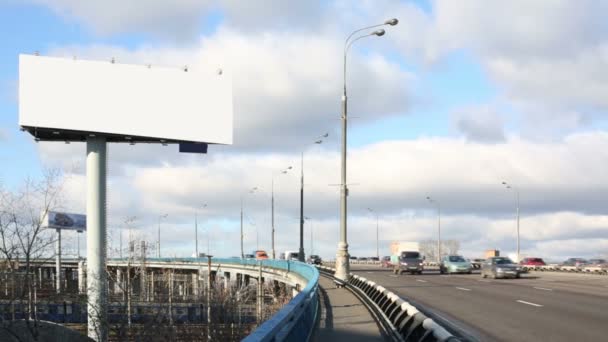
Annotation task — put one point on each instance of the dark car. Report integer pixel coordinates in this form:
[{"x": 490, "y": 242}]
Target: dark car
[
  {"x": 386, "y": 262},
  {"x": 409, "y": 262},
  {"x": 374, "y": 259},
  {"x": 598, "y": 262},
  {"x": 500, "y": 267},
  {"x": 353, "y": 257},
  {"x": 576, "y": 262},
  {"x": 314, "y": 259}
]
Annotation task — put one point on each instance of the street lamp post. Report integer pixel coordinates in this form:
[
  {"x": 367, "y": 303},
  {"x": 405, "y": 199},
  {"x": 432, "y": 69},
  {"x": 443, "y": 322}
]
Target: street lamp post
[
  {"x": 516, "y": 189},
  {"x": 342, "y": 262},
  {"x": 438, "y": 227},
  {"x": 250, "y": 192},
  {"x": 158, "y": 243},
  {"x": 301, "y": 255},
  {"x": 196, "y": 230},
  {"x": 311, "y": 235},
  {"x": 377, "y": 230},
  {"x": 128, "y": 221},
  {"x": 272, "y": 206}
]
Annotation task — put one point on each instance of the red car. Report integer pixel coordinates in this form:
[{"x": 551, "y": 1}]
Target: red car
[
  {"x": 386, "y": 262},
  {"x": 532, "y": 262}
]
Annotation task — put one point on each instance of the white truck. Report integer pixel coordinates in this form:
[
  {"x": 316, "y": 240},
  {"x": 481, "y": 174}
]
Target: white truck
[{"x": 405, "y": 257}]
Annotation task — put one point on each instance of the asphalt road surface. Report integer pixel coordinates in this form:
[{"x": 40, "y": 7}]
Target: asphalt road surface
[{"x": 537, "y": 307}]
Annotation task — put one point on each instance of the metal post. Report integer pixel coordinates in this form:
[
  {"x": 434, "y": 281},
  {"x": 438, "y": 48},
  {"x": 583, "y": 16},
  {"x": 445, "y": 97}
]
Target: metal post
[
  {"x": 272, "y": 216},
  {"x": 242, "y": 250},
  {"x": 97, "y": 290},
  {"x": 517, "y": 192},
  {"x": 58, "y": 262},
  {"x": 78, "y": 245},
  {"x": 120, "y": 242},
  {"x": 195, "y": 235},
  {"x": 342, "y": 262},
  {"x": 438, "y": 232},
  {"x": 301, "y": 251},
  {"x": 377, "y": 237},
  {"x": 158, "y": 242},
  {"x": 209, "y": 297}
]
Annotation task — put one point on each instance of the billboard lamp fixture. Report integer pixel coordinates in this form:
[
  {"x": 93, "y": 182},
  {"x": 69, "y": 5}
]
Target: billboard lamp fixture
[
  {"x": 36, "y": 53},
  {"x": 186, "y": 68},
  {"x": 132, "y": 143},
  {"x": 113, "y": 60},
  {"x": 67, "y": 142}
]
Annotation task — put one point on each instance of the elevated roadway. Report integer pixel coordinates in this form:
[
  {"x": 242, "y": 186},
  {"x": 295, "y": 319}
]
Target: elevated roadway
[{"x": 537, "y": 307}]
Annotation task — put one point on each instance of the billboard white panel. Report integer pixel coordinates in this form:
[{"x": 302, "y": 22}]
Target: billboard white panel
[
  {"x": 68, "y": 98},
  {"x": 69, "y": 221}
]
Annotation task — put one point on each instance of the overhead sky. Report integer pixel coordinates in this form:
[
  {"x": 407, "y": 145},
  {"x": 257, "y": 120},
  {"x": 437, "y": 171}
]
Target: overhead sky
[{"x": 457, "y": 98}]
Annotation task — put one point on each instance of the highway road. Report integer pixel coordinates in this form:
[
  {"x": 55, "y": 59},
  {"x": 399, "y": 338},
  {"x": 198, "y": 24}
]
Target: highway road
[{"x": 537, "y": 307}]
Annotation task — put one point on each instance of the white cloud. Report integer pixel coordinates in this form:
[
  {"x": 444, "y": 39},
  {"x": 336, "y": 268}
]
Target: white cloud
[
  {"x": 480, "y": 123},
  {"x": 558, "y": 201}
]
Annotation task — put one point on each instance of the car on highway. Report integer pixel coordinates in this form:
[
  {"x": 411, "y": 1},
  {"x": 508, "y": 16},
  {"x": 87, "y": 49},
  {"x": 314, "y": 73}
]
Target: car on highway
[
  {"x": 362, "y": 259},
  {"x": 314, "y": 259},
  {"x": 455, "y": 264},
  {"x": 386, "y": 262},
  {"x": 409, "y": 262},
  {"x": 374, "y": 259},
  {"x": 260, "y": 255},
  {"x": 532, "y": 262},
  {"x": 353, "y": 257},
  {"x": 598, "y": 262},
  {"x": 576, "y": 262},
  {"x": 249, "y": 256},
  {"x": 500, "y": 267}
]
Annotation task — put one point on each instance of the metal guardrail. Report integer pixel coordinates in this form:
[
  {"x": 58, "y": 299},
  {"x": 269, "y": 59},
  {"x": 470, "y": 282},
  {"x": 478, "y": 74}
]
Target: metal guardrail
[
  {"x": 598, "y": 270},
  {"x": 406, "y": 321},
  {"x": 296, "y": 320}
]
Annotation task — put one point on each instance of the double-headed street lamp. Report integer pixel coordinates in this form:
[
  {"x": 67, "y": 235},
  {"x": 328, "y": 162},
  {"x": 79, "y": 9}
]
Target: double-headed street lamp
[
  {"x": 438, "y": 227},
  {"x": 272, "y": 204},
  {"x": 301, "y": 255},
  {"x": 251, "y": 191},
  {"x": 158, "y": 243},
  {"x": 342, "y": 262},
  {"x": 196, "y": 229},
  {"x": 514, "y": 188},
  {"x": 377, "y": 229}
]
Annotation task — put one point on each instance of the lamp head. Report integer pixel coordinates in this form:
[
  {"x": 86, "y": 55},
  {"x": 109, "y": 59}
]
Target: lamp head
[
  {"x": 379, "y": 32},
  {"x": 392, "y": 22},
  {"x": 318, "y": 141}
]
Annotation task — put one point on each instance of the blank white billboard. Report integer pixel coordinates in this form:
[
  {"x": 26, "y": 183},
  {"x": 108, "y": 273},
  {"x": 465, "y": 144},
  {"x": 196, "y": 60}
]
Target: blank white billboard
[{"x": 68, "y": 99}]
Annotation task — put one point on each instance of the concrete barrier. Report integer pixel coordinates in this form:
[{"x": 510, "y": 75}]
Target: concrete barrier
[{"x": 405, "y": 321}]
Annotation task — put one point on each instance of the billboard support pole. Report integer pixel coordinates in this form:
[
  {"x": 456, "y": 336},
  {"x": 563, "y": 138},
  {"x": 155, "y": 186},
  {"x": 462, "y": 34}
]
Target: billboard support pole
[
  {"x": 97, "y": 287},
  {"x": 58, "y": 261}
]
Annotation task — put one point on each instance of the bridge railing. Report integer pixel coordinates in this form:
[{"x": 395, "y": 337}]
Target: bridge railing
[{"x": 296, "y": 320}]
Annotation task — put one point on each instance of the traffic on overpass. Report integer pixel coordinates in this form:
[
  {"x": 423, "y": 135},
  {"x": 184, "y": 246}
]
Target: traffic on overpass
[{"x": 306, "y": 170}]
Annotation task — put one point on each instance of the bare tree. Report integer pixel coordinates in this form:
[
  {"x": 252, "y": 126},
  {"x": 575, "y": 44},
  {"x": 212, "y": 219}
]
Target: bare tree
[{"x": 23, "y": 237}]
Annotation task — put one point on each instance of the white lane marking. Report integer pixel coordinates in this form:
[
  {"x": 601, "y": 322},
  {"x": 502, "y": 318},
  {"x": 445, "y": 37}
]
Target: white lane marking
[
  {"x": 420, "y": 280},
  {"x": 393, "y": 275},
  {"x": 485, "y": 281},
  {"x": 369, "y": 272},
  {"x": 463, "y": 289},
  {"x": 543, "y": 288},
  {"x": 528, "y": 303}
]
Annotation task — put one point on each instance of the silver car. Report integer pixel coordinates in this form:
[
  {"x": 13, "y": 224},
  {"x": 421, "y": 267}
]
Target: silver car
[{"x": 500, "y": 267}]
